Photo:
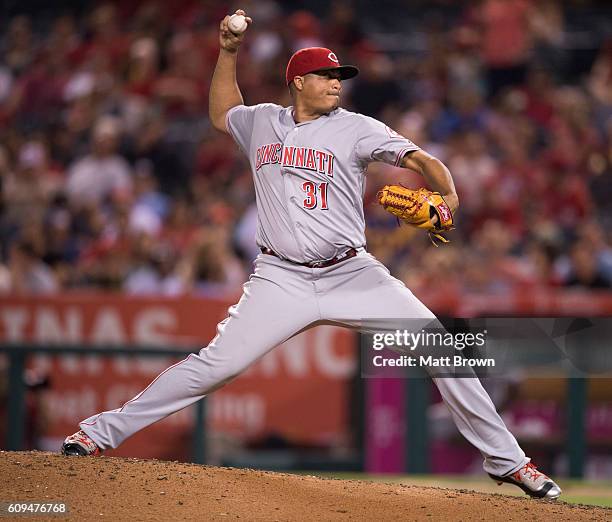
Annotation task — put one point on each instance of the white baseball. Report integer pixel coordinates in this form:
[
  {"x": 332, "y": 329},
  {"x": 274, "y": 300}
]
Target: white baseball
[{"x": 237, "y": 24}]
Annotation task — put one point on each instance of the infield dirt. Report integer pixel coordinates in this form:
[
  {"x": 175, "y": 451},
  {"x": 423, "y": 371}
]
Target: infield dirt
[{"x": 114, "y": 488}]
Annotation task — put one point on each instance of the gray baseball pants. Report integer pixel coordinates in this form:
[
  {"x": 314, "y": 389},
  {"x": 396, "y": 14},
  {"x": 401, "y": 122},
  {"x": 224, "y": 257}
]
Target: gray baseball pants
[{"x": 280, "y": 300}]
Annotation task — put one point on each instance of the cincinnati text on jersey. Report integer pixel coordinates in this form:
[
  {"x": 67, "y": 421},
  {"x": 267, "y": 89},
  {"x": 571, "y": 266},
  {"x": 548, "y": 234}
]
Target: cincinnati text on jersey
[{"x": 298, "y": 157}]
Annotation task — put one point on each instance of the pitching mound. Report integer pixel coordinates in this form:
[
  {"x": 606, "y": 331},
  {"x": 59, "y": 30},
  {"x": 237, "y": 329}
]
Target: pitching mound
[{"x": 131, "y": 489}]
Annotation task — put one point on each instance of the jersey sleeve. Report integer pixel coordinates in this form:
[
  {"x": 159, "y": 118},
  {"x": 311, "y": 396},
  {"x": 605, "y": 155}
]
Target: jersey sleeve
[
  {"x": 378, "y": 142},
  {"x": 239, "y": 122}
]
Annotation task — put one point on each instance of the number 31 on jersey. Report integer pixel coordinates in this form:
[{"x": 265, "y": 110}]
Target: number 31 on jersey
[{"x": 316, "y": 194}]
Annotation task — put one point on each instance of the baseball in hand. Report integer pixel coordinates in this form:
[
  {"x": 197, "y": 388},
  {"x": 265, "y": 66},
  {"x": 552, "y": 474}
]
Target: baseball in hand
[{"x": 237, "y": 24}]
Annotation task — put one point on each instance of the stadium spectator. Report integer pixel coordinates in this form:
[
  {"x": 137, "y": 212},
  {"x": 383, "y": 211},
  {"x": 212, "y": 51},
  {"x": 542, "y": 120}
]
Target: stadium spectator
[
  {"x": 103, "y": 172},
  {"x": 28, "y": 274},
  {"x": 585, "y": 271}
]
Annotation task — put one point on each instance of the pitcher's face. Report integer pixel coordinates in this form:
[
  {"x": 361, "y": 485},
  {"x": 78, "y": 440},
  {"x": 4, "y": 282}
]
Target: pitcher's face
[{"x": 320, "y": 91}]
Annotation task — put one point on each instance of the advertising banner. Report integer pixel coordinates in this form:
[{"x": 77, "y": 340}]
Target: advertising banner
[{"x": 298, "y": 392}]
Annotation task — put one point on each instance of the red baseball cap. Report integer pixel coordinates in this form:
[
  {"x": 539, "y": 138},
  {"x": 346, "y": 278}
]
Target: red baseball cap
[{"x": 314, "y": 59}]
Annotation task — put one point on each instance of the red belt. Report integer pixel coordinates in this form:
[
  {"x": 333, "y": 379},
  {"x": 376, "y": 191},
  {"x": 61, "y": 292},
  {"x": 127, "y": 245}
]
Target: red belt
[{"x": 351, "y": 252}]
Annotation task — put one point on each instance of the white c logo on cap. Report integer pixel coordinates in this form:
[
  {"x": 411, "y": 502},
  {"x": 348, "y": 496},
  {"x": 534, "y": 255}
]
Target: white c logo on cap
[{"x": 333, "y": 58}]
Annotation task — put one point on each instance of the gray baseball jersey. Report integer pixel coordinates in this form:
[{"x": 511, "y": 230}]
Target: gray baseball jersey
[{"x": 310, "y": 177}]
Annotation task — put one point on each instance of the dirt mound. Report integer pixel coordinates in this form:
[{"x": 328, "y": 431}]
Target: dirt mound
[{"x": 132, "y": 489}]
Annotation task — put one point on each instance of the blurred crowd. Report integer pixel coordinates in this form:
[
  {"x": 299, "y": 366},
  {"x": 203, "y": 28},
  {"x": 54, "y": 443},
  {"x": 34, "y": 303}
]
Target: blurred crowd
[{"x": 111, "y": 176}]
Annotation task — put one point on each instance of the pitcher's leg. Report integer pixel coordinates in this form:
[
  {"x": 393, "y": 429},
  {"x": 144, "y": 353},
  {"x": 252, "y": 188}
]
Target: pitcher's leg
[
  {"x": 478, "y": 421},
  {"x": 372, "y": 297},
  {"x": 267, "y": 314}
]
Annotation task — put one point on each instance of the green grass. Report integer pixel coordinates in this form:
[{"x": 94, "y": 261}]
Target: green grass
[
  {"x": 587, "y": 499},
  {"x": 594, "y": 493}
]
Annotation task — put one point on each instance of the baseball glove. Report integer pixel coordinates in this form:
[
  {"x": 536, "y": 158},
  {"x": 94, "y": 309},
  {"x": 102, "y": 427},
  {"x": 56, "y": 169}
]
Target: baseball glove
[{"x": 418, "y": 208}]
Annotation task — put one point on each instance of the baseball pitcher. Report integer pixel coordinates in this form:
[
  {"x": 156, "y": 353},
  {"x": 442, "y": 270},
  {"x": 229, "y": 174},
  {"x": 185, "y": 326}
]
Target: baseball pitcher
[{"x": 309, "y": 162}]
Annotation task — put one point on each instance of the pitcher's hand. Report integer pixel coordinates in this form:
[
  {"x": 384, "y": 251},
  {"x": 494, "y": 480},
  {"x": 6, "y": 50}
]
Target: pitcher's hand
[{"x": 229, "y": 41}]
